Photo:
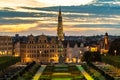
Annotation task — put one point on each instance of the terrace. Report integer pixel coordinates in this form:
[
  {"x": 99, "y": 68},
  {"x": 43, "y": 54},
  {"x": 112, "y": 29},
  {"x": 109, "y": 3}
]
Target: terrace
[
  {"x": 9, "y": 72},
  {"x": 109, "y": 69}
]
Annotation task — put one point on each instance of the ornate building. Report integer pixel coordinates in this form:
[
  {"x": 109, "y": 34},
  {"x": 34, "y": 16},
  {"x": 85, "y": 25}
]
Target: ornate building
[{"x": 40, "y": 49}]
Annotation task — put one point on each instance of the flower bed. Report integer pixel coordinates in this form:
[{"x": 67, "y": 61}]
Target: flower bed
[{"x": 27, "y": 73}]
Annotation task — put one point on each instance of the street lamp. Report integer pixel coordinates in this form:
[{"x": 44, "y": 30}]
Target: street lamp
[
  {"x": 115, "y": 51},
  {"x": 80, "y": 55},
  {"x": 80, "y": 51},
  {"x": 88, "y": 48},
  {"x": 40, "y": 55},
  {"x": 40, "y": 52}
]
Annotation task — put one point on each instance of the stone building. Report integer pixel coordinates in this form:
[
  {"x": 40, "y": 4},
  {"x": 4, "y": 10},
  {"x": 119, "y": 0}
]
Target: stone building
[{"x": 39, "y": 48}]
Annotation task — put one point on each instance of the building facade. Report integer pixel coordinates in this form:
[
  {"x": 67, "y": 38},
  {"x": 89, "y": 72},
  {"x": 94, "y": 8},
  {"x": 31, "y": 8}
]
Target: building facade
[
  {"x": 75, "y": 51},
  {"x": 39, "y": 49}
]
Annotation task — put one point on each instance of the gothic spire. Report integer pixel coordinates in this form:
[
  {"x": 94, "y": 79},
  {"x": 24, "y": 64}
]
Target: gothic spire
[{"x": 60, "y": 11}]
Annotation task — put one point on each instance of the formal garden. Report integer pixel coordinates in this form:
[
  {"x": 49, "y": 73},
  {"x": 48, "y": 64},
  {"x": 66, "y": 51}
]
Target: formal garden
[
  {"x": 97, "y": 67},
  {"x": 62, "y": 72}
]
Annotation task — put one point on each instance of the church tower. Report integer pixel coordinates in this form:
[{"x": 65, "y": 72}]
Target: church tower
[
  {"x": 60, "y": 38},
  {"x": 106, "y": 43},
  {"x": 60, "y": 27}
]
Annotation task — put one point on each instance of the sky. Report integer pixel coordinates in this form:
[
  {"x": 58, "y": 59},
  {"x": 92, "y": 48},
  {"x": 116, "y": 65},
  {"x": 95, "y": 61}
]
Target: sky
[{"x": 80, "y": 17}]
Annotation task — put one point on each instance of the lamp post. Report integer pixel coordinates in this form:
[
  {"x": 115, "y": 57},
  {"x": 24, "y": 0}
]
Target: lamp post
[
  {"x": 115, "y": 51},
  {"x": 80, "y": 51},
  {"x": 40, "y": 55},
  {"x": 80, "y": 55}
]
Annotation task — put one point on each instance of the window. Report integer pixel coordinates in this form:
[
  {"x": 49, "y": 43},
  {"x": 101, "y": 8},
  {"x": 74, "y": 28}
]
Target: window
[
  {"x": 42, "y": 46},
  {"x": 45, "y": 41},
  {"x": 52, "y": 46},
  {"x": 37, "y": 46}
]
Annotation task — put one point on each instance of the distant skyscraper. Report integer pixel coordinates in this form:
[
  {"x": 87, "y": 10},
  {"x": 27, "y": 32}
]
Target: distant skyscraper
[{"x": 60, "y": 27}]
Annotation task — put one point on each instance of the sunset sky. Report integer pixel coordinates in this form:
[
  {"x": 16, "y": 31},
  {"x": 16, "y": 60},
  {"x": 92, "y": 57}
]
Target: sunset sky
[{"x": 80, "y": 17}]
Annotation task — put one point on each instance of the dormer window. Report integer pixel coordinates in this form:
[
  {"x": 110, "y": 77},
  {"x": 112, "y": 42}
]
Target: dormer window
[
  {"x": 31, "y": 39},
  {"x": 42, "y": 39}
]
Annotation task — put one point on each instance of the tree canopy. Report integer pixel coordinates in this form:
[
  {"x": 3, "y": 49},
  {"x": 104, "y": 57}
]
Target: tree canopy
[{"x": 115, "y": 47}]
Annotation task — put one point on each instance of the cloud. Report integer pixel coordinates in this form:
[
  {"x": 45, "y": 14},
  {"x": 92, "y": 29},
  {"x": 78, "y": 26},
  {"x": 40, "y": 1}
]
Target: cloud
[
  {"x": 14, "y": 21},
  {"x": 66, "y": 2}
]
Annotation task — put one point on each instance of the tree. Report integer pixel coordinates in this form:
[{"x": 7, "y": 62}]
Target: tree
[
  {"x": 115, "y": 47},
  {"x": 91, "y": 56}
]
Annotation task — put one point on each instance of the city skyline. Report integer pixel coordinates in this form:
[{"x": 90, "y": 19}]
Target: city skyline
[{"x": 88, "y": 17}]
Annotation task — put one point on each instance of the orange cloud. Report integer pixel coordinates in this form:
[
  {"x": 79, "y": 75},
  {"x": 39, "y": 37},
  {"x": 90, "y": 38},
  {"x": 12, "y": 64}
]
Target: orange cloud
[{"x": 16, "y": 28}]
